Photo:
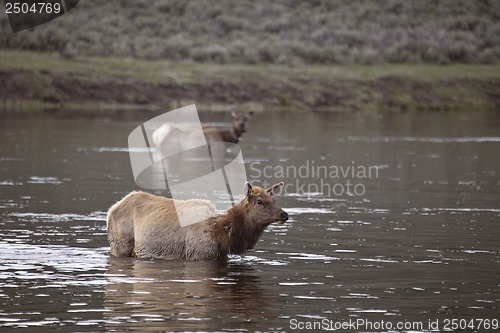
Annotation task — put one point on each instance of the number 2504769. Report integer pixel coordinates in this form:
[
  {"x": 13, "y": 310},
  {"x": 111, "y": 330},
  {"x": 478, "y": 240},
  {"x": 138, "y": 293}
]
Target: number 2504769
[
  {"x": 473, "y": 324},
  {"x": 34, "y": 8}
]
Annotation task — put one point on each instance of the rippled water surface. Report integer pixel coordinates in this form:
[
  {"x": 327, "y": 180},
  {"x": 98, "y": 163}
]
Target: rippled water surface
[{"x": 394, "y": 219}]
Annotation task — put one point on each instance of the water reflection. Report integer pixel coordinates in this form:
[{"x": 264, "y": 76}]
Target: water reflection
[{"x": 153, "y": 295}]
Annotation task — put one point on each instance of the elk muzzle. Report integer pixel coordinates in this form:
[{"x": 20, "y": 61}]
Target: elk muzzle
[{"x": 283, "y": 217}]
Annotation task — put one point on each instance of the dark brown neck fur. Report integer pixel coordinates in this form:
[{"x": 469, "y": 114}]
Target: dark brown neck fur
[
  {"x": 231, "y": 135},
  {"x": 235, "y": 232}
]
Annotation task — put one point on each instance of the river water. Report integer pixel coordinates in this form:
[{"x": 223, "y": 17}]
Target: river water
[{"x": 394, "y": 226}]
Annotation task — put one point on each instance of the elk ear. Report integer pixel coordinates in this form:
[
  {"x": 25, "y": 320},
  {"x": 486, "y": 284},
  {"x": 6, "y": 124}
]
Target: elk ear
[
  {"x": 247, "y": 190},
  {"x": 234, "y": 114},
  {"x": 275, "y": 189}
]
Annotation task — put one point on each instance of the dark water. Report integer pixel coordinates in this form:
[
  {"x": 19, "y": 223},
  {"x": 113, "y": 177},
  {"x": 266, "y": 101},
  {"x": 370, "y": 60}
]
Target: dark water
[{"x": 394, "y": 221}]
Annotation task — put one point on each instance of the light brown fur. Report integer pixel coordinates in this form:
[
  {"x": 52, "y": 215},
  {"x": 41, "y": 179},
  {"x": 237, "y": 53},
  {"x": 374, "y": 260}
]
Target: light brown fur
[
  {"x": 145, "y": 225},
  {"x": 170, "y": 139}
]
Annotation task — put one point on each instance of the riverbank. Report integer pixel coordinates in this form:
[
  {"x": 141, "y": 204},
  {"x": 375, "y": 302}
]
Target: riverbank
[{"x": 31, "y": 80}]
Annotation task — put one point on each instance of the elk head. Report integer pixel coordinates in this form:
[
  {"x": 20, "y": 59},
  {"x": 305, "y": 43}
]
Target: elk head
[
  {"x": 240, "y": 122},
  {"x": 261, "y": 206}
]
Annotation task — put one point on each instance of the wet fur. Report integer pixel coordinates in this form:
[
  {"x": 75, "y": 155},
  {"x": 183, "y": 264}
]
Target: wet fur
[{"x": 145, "y": 225}]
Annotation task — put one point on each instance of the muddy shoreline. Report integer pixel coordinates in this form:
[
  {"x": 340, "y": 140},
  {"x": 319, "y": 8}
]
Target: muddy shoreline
[{"x": 116, "y": 83}]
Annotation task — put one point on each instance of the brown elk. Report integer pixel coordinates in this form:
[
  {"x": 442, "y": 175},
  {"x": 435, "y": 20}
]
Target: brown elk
[
  {"x": 170, "y": 138},
  {"x": 232, "y": 135},
  {"x": 145, "y": 225}
]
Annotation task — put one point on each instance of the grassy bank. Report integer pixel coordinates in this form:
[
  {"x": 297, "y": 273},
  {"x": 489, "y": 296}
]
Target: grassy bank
[{"x": 31, "y": 80}]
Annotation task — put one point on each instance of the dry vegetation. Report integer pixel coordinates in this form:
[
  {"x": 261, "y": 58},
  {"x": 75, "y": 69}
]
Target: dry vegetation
[{"x": 289, "y": 32}]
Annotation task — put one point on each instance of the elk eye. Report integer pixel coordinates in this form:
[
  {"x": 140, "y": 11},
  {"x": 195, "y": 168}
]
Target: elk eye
[{"x": 260, "y": 202}]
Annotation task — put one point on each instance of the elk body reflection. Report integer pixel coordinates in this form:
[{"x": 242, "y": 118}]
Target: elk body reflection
[{"x": 159, "y": 295}]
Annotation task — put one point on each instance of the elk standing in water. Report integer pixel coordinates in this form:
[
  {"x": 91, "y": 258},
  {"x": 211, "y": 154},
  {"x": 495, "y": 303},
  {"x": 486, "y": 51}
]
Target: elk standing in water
[
  {"x": 170, "y": 138},
  {"x": 233, "y": 135},
  {"x": 145, "y": 225}
]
